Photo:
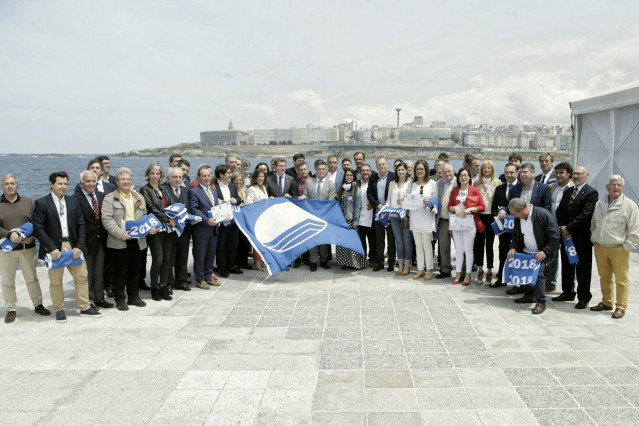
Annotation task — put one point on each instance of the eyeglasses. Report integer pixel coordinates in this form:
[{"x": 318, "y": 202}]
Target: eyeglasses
[
  {"x": 421, "y": 190},
  {"x": 615, "y": 185}
]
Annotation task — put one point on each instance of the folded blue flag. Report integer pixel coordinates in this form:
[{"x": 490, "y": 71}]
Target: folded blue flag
[
  {"x": 523, "y": 269},
  {"x": 385, "y": 212},
  {"x": 180, "y": 216},
  {"x": 66, "y": 259},
  {"x": 281, "y": 229},
  {"x": 571, "y": 251},
  {"x": 504, "y": 225},
  {"x": 141, "y": 227},
  {"x": 23, "y": 231}
]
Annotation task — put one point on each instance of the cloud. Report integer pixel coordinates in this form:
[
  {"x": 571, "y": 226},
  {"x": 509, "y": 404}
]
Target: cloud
[
  {"x": 267, "y": 110},
  {"x": 308, "y": 98}
]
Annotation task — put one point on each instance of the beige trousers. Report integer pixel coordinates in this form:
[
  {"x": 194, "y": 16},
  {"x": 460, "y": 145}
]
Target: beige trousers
[
  {"x": 79, "y": 274},
  {"x": 613, "y": 261},
  {"x": 8, "y": 267}
]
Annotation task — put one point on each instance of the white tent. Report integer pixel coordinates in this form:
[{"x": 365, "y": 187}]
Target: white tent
[{"x": 606, "y": 134}]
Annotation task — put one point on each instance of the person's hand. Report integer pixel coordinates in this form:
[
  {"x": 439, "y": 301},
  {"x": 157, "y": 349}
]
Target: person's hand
[
  {"x": 399, "y": 201},
  {"x": 380, "y": 206},
  {"x": 15, "y": 237},
  {"x": 228, "y": 219},
  {"x": 233, "y": 200},
  {"x": 212, "y": 222},
  {"x": 271, "y": 198},
  {"x": 28, "y": 240},
  {"x": 540, "y": 256},
  {"x": 369, "y": 206},
  {"x": 153, "y": 231},
  {"x": 501, "y": 214},
  {"x": 511, "y": 253},
  {"x": 55, "y": 254},
  {"x": 126, "y": 236},
  {"x": 564, "y": 231},
  {"x": 302, "y": 197},
  {"x": 77, "y": 253},
  {"x": 287, "y": 196},
  {"x": 467, "y": 211},
  {"x": 355, "y": 227},
  {"x": 172, "y": 222}
]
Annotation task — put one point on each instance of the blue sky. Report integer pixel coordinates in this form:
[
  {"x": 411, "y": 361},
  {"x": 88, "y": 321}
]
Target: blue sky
[{"x": 78, "y": 76}]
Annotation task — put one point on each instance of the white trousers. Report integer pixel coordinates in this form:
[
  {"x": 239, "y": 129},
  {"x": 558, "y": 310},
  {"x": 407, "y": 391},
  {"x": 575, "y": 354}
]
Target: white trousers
[
  {"x": 424, "y": 247},
  {"x": 464, "y": 241}
]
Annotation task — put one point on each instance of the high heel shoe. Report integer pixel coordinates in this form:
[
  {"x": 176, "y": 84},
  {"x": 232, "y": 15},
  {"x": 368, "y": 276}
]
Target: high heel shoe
[
  {"x": 489, "y": 277},
  {"x": 418, "y": 275},
  {"x": 480, "y": 277},
  {"x": 259, "y": 266},
  {"x": 429, "y": 275},
  {"x": 466, "y": 280},
  {"x": 457, "y": 279}
]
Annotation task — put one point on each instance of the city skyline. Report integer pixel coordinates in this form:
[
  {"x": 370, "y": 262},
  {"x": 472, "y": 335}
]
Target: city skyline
[{"x": 134, "y": 75}]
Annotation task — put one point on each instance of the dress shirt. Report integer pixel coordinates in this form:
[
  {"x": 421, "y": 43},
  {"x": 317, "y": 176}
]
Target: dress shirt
[
  {"x": 226, "y": 192},
  {"x": 530, "y": 244},
  {"x": 526, "y": 193},
  {"x": 331, "y": 176},
  {"x": 381, "y": 188},
  {"x": 365, "y": 215},
  {"x": 61, "y": 206},
  {"x": 556, "y": 197}
]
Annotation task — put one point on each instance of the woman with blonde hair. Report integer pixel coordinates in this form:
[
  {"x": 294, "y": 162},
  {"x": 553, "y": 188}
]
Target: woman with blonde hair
[{"x": 486, "y": 184}]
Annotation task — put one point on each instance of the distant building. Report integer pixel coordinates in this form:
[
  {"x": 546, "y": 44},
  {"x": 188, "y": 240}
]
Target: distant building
[
  {"x": 230, "y": 137},
  {"x": 437, "y": 124},
  {"x": 296, "y": 136},
  {"x": 419, "y": 133}
]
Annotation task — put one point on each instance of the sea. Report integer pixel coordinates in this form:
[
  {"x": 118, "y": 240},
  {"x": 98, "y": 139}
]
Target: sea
[{"x": 32, "y": 171}]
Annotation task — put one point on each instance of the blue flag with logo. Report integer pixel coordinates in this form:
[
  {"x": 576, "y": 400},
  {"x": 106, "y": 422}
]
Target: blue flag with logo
[
  {"x": 23, "y": 231},
  {"x": 522, "y": 269},
  {"x": 281, "y": 229},
  {"x": 571, "y": 251},
  {"x": 180, "y": 216},
  {"x": 385, "y": 212},
  {"x": 141, "y": 227},
  {"x": 66, "y": 259}
]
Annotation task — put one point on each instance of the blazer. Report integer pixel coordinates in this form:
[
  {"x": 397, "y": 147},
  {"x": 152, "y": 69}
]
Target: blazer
[
  {"x": 577, "y": 216},
  {"x": 200, "y": 205},
  {"x": 273, "y": 188},
  {"x": 553, "y": 175},
  {"x": 339, "y": 178},
  {"x": 540, "y": 196},
  {"x": 155, "y": 203},
  {"x": 95, "y": 233},
  {"x": 441, "y": 185},
  {"x": 472, "y": 192},
  {"x": 545, "y": 229},
  {"x": 113, "y": 213},
  {"x": 182, "y": 199},
  {"x": 48, "y": 229},
  {"x": 499, "y": 199},
  {"x": 371, "y": 192},
  {"x": 232, "y": 189},
  {"x": 327, "y": 192}
]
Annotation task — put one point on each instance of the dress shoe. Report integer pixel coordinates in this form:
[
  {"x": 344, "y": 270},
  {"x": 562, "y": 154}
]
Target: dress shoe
[
  {"x": 497, "y": 284},
  {"x": 618, "y": 313},
  {"x": 549, "y": 288},
  {"x": 306, "y": 262},
  {"x": 378, "y": 268},
  {"x": 313, "y": 267},
  {"x": 442, "y": 275},
  {"x": 104, "y": 304},
  {"x": 526, "y": 299},
  {"x": 325, "y": 265},
  {"x": 514, "y": 290},
  {"x": 41, "y": 310},
  {"x": 539, "y": 308},
  {"x": 297, "y": 263},
  {"x": 564, "y": 297},
  {"x": 135, "y": 300},
  {"x": 11, "y": 317},
  {"x": 60, "y": 317},
  {"x": 155, "y": 294},
  {"x": 601, "y": 307},
  {"x": 122, "y": 306},
  {"x": 236, "y": 270},
  {"x": 144, "y": 286},
  {"x": 466, "y": 280},
  {"x": 582, "y": 304},
  {"x": 109, "y": 292},
  {"x": 182, "y": 287},
  {"x": 164, "y": 293},
  {"x": 203, "y": 285},
  {"x": 391, "y": 267},
  {"x": 213, "y": 282},
  {"x": 223, "y": 274}
]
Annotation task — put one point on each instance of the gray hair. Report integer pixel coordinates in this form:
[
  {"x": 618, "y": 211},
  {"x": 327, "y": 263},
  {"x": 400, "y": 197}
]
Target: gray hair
[
  {"x": 228, "y": 157},
  {"x": 528, "y": 166},
  {"x": 154, "y": 165},
  {"x": 123, "y": 171},
  {"x": 176, "y": 169},
  {"x": 245, "y": 162},
  {"x": 446, "y": 166},
  {"x": 87, "y": 171},
  {"x": 9, "y": 175},
  {"x": 611, "y": 178},
  {"x": 517, "y": 204}
]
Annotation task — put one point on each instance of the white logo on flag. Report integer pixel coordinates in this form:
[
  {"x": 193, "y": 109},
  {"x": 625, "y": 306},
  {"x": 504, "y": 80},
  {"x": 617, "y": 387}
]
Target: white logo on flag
[{"x": 284, "y": 226}]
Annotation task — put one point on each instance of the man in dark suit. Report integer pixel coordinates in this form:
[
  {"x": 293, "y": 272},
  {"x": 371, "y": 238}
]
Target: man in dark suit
[
  {"x": 179, "y": 258},
  {"x": 103, "y": 187},
  {"x": 544, "y": 245},
  {"x": 500, "y": 200},
  {"x": 516, "y": 159},
  {"x": 227, "y": 233},
  {"x": 201, "y": 199},
  {"x": 444, "y": 188},
  {"x": 105, "y": 162},
  {"x": 377, "y": 194},
  {"x": 547, "y": 170},
  {"x": 574, "y": 215},
  {"x": 297, "y": 158},
  {"x": 279, "y": 183},
  {"x": 90, "y": 201},
  {"x": 59, "y": 226}
]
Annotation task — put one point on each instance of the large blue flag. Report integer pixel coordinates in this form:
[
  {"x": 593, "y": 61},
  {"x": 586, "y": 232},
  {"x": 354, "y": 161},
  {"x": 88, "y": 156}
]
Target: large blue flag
[{"x": 281, "y": 229}]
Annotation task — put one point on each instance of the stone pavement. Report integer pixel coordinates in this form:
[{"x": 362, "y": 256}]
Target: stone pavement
[{"x": 329, "y": 347}]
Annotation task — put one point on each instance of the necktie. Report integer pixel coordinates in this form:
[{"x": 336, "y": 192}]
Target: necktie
[
  {"x": 510, "y": 185},
  {"x": 574, "y": 195},
  {"x": 281, "y": 186},
  {"x": 210, "y": 195},
  {"x": 543, "y": 178},
  {"x": 319, "y": 189},
  {"x": 177, "y": 192},
  {"x": 445, "y": 201},
  {"x": 94, "y": 204}
]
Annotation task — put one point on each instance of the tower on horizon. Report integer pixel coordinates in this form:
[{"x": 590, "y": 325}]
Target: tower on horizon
[{"x": 398, "y": 110}]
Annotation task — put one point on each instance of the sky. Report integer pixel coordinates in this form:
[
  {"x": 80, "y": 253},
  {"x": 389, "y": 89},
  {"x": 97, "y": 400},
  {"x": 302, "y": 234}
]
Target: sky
[{"x": 81, "y": 76}]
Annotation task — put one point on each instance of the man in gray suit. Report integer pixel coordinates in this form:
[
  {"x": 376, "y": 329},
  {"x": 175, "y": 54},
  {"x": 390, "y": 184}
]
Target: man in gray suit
[
  {"x": 279, "y": 183},
  {"x": 320, "y": 188},
  {"x": 444, "y": 186}
]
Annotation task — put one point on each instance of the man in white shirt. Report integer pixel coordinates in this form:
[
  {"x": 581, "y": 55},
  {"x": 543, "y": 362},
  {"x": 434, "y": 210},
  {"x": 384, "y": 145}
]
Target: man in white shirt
[
  {"x": 365, "y": 228},
  {"x": 563, "y": 173}
]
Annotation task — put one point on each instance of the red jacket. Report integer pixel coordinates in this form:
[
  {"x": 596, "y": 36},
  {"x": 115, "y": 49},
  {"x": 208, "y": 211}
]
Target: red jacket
[{"x": 474, "y": 199}]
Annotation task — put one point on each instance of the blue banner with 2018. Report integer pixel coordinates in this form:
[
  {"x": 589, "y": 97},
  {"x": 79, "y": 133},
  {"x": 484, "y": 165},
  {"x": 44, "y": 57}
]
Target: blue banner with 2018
[{"x": 522, "y": 269}]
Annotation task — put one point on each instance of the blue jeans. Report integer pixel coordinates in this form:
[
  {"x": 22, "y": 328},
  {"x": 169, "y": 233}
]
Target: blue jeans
[{"x": 404, "y": 241}]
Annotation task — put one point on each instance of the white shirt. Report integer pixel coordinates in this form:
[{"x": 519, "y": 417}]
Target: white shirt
[
  {"x": 331, "y": 176},
  {"x": 62, "y": 214},
  {"x": 556, "y": 197},
  {"x": 224, "y": 189},
  {"x": 530, "y": 244},
  {"x": 365, "y": 215},
  {"x": 381, "y": 189},
  {"x": 99, "y": 187}
]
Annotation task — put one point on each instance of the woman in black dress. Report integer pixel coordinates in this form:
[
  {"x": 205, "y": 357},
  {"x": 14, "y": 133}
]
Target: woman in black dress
[{"x": 350, "y": 198}]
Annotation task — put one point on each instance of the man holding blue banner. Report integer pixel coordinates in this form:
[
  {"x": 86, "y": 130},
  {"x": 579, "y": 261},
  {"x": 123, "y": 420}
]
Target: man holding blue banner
[
  {"x": 500, "y": 200},
  {"x": 320, "y": 188},
  {"x": 15, "y": 212},
  {"x": 535, "y": 233}
]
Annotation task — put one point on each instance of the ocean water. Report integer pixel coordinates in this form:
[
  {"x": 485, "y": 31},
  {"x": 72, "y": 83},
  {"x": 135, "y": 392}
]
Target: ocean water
[{"x": 33, "y": 172}]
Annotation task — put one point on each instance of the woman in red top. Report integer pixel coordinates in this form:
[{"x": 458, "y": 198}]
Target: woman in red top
[{"x": 464, "y": 200}]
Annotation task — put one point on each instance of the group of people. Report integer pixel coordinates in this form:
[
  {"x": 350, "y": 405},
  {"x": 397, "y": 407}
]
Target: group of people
[{"x": 427, "y": 209}]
